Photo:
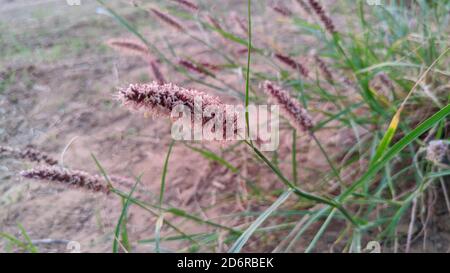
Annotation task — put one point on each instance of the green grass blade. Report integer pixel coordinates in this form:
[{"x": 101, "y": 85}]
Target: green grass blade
[
  {"x": 247, "y": 76},
  {"x": 320, "y": 232},
  {"x": 303, "y": 194},
  {"x": 213, "y": 157},
  {"x": 164, "y": 173},
  {"x": 240, "y": 242},
  {"x": 122, "y": 217},
  {"x": 396, "y": 148},
  {"x": 160, "y": 221},
  {"x": 30, "y": 246},
  {"x": 438, "y": 174},
  {"x": 294, "y": 157},
  {"x": 387, "y": 138}
]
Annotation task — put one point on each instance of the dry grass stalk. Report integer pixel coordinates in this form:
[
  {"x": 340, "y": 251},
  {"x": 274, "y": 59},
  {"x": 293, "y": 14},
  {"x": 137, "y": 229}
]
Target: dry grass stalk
[
  {"x": 28, "y": 153},
  {"x": 297, "y": 116}
]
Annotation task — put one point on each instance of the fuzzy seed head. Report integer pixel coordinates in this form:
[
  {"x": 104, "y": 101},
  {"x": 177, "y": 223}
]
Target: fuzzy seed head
[
  {"x": 161, "y": 99},
  {"x": 324, "y": 69},
  {"x": 214, "y": 22},
  {"x": 28, "y": 153},
  {"x": 167, "y": 19},
  {"x": 281, "y": 10},
  {"x": 128, "y": 46},
  {"x": 297, "y": 116},
  {"x": 187, "y": 4},
  {"x": 304, "y": 6},
  {"x": 326, "y": 20},
  {"x": 293, "y": 64},
  {"x": 73, "y": 178},
  {"x": 194, "y": 67}
]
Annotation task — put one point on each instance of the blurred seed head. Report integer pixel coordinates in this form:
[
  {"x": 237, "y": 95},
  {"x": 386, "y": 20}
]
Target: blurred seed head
[
  {"x": 128, "y": 46},
  {"x": 326, "y": 20},
  {"x": 324, "y": 69},
  {"x": 194, "y": 67},
  {"x": 167, "y": 19},
  {"x": 211, "y": 66},
  {"x": 28, "y": 153},
  {"x": 281, "y": 9},
  {"x": 213, "y": 21},
  {"x": 187, "y": 4},
  {"x": 293, "y": 64},
  {"x": 387, "y": 82},
  {"x": 304, "y": 6},
  {"x": 73, "y": 178},
  {"x": 240, "y": 22}
]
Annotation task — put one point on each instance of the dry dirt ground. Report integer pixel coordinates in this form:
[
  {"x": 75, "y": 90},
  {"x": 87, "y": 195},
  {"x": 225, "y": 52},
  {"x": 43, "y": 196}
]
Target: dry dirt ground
[{"x": 57, "y": 85}]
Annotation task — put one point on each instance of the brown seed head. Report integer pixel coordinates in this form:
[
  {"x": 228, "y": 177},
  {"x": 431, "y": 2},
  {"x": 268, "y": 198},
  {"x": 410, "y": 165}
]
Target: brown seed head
[
  {"x": 326, "y": 20},
  {"x": 161, "y": 99},
  {"x": 281, "y": 10},
  {"x": 214, "y": 22},
  {"x": 167, "y": 19},
  {"x": 324, "y": 69},
  {"x": 194, "y": 67},
  {"x": 72, "y": 178},
  {"x": 128, "y": 46},
  {"x": 187, "y": 4},
  {"x": 293, "y": 64},
  {"x": 304, "y": 6},
  {"x": 28, "y": 153},
  {"x": 297, "y": 116}
]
